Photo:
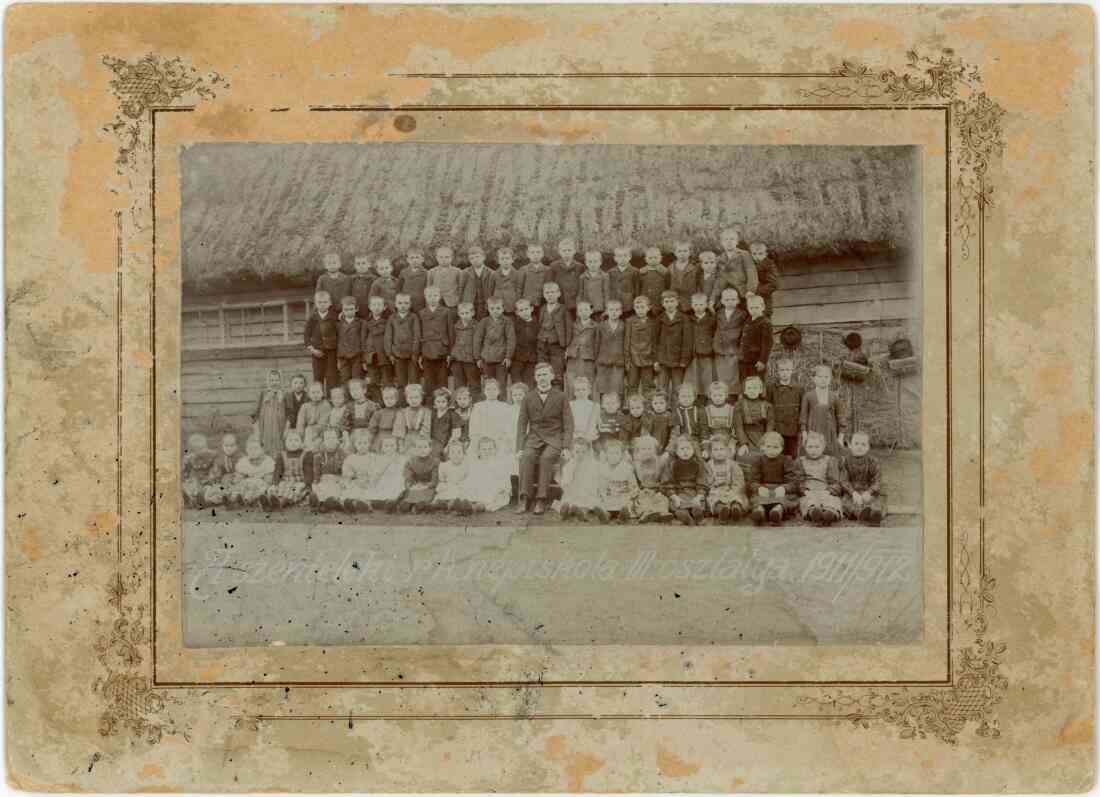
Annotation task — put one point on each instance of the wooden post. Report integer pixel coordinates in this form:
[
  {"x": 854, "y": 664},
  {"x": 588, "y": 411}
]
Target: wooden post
[{"x": 286, "y": 322}]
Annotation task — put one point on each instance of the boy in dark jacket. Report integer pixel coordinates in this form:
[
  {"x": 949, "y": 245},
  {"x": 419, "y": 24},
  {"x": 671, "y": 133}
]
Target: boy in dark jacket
[
  {"x": 527, "y": 345},
  {"x": 321, "y": 339},
  {"x": 435, "y": 341},
  {"x": 494, "y": 343},
  {"x": 334, "y": 282},
  {"x": 767, "y": 274},
  {"x": 623, "y": 281},
  {"x": 640, "y": 345},
  {"x": 773, "y": 483},
  {"x": 674, "y": 345},
  {"x": 566, "y": 272},
  {"x": 464, "y": 372},
  {"x": 756, "y": 340},
  {"x": 555, "y": 331},
  {"x": 786, "y": 400},
  {"x": 376, "y": 364},
  {"x": 349, "y": 342},
  {"x": 361, "y": 281},
  {"x": 403, "y": 341}
]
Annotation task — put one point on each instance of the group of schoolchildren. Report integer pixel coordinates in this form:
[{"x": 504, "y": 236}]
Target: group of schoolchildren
[{"x": 404, "y": 413}]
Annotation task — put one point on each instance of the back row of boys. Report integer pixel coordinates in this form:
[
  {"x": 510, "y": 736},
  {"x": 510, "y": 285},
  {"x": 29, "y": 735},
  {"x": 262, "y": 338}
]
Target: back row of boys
[{"x": 447, "y": 325}]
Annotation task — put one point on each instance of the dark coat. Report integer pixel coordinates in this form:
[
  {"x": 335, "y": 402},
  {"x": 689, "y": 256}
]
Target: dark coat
[
  {"x": 674, "y": 343},
  {"x": 350, "y": 340},
  {"x": 611, "y": 345},
  {"x": 555, "y": 328},
  {"x": 702, "y": 334},
  {"x": 773, "y": 472},
  {"x": 527, "y": 340},
  {"x": 686, "y": 283},
  {"x": 582, "y": 344},
  {"x": 786, "y": 401},
  {"x": 624, "y": 285},
  {"x": 337, "y": 286},
  {"x": 568, "y": 277},
  {"x": 477, "y": 289},
  {"x": 403, "y": 336},
  {"x": 653, "y": 283},
  {"x": 413, "y": 282},
  {"x": 435, "y": 333},
  {"x": 549, "y": 423},
  {"x": 727, "y": 331},
  {"x": 322, "y": 333},
  {"x": 756, "y": 340},
  {"x": 374, "y": 340},
  {"x": 494, "y": 339},
  {"x": 462, "y": 342},
  {"x": 640, "y": 340}
]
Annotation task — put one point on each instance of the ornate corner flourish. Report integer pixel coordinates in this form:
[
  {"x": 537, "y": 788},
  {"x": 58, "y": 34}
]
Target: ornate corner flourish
[
  {"x": 131, "y": 704},
  {"x": 148, "y": 83},
  {"x": 976, "y": 119},
  {"x": 977, "y": 685}
]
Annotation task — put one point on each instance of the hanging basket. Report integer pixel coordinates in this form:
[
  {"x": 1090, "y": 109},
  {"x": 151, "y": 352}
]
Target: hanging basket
[
  {"x": 853, "y": 372},
  {"x": 903, "y": 366}
]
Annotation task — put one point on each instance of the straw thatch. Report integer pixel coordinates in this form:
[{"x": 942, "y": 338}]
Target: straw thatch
[{"x": 266, "y": 213}]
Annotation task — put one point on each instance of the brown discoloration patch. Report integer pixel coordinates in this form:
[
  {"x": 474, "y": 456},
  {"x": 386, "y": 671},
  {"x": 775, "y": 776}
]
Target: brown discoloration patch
[
  {"x": 575, "y": 766},
  {"x": 142, "y": 358},
  {"x": 1076, "y": 732},
  {"x": 101, "y": 523},
  {"x": 151, "y": 771},
  {"x": 671, "y": 765},
  {"x": 1053, "y": 380},
  {"x": 1061, "y": 465},
  {"x": 30, "y": 545},
  {"x": 566, "y": 134}
]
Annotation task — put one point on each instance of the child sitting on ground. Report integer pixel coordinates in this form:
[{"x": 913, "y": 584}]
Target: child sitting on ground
[
  {"x": 256, "y": 469},
  {"x": 384, "y": 418},
  {"x": 387, "y": 474},
  {"x": 585, "y": 411},
  {"x": 450, "y": 493},
  {"x": 773, "y": 483},
  {"x": 861, "y": 482},
  {"x": 726, "y": 500},
  {"x": 651, "y": 504},
  {"x": 288, "y": 482},
  {"x": 489, "y": 481},
  {"x": 198, "y": 459},
  {"x": 492, "y": 418},
  {"x": 313, "y": 417},
  {"x": 820, "y": 502},
  {"x": 421, "y": 475},
  {"x": 579, "y": 482},
  {"x": 413, "y": 420},
  {"x": 618, "y": 485},
  {"x": 223, "y": 473},
  {"x": 322, "y": 472},
  {"x": 356, "y": 473},
  {"x": 685, "y": 482}
]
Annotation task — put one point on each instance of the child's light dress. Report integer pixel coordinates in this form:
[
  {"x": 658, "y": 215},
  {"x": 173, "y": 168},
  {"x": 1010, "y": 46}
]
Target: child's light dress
[
  {"x": 618, "y": 486},
  {"x": 388, "y": 478},
  {"x": 820, "y": 476},
  {"x": 650, "y": 499},
  {"x": 727, "y": 484},
  {"x": 452, "y": 481},
  {"x": 489, "y": 482},
  {"x": 356, "y": 477},
  {"x": 585, "y": 419},
  {"x": 312, "y": 418},
  {"x": 271, "y": 420},
  {"x": 580, "y": 482},
  {"x": 493, "y": 419},
  {"x": 255, "y": 478}
]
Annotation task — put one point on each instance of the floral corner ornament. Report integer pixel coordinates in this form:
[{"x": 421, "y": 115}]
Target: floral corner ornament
[
  {"x": 945, "y": 79},
  {"x": 149, "y": 83}
]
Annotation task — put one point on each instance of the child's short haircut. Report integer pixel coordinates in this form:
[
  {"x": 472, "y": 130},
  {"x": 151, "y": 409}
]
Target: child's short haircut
[
  {"x": 382, "y": 260},
  {"x": 356, "y": 382},
  {"x": 685, "y": 439},
  {"x": 718, "y": 384},
  {"x": 865, "y": 435},
  {"x": 519, "y": 386},
  {"x": 822, "y": 368},
  {"x": 414, "y": 251},
  {"x": 332, "y": 256},
  {"x": 720, "y": 440},
  {"x": 523, "y": 302},
  {"x": 686, "y": 387},
  {"x": 595, "y": 252},
  {"x": 338, "y": 389},
  {"x": 758, "y": 381},
  {"x": 705, "y": 253},
  {"x": 349, "y": 300},
  {"x": 485, "y": 440},
  {"x": 551, "y": 284},
  {"x": 669, "y": 294},
  {"x": 322, "y": 295},
  {"x": 611, "y": 394},
  {"x": 474, "y": 249},
  {"x": 389, "y": 389},
  {"x": 582, "y": 380},
  {"x": 773, "y": 438},
  {"x": 465, "y": 306},
  {"x": 635, "y": 398},
  {"x": 644, "y": 440},
  {"x": 494, "y": 300},
  {"x": 612, "y": 442},
  {"x": 443, "y": 248},
  {"x": 399, "y": 296},
  {"x": 584, "y": 302},
  {"x": 489, "y": 381},
  {"x": 317, "y": 384},
  {"x": 617, "y": 302},
  {"x": 642, "y": 298},
  {"x": 442, "y": 392},
  {"x": 504, "y": 249},
  {"x": 414, "y": 387},
  {"x": 298, "y": 376},
  {"x": 816, "y": 437},
  {"x": 359, "y": 434},
  {"x": 462, "y": 390},
  {"x": 543, "y": 366},
  {"x": 755, "y": 298},
  {"x": 784, "y": 361},
  {"x": 701, "y": 296}
]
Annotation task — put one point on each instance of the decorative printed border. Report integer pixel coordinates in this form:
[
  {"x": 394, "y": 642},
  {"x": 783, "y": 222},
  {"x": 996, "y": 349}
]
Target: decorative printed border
[{"x": 133, "y": 705}]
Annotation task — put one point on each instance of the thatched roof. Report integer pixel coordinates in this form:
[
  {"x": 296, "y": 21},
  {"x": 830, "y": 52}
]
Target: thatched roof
[{"x": 267, "y": 212}]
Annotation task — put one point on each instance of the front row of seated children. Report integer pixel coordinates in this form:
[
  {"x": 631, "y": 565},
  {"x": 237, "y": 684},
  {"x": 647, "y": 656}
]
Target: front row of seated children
[{"x": 649, "y": 486}]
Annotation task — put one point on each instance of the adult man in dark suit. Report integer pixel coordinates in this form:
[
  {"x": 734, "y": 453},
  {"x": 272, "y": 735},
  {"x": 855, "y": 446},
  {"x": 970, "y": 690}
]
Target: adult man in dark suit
[{"x": 544, "y": 432}]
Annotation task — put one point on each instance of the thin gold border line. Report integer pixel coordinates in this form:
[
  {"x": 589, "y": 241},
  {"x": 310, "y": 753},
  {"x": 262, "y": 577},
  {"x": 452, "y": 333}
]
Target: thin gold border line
[
  {"x": 528, "y": 684},
  {"x": 537, "y": 717},
  {"x": 118, "y": 387},
  {"x": 389, "y": 684}
]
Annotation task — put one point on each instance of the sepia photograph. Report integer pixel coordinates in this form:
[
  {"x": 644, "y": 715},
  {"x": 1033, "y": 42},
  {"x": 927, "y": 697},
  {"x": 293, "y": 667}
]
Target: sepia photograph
[{"x": 447, "y": 381}]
